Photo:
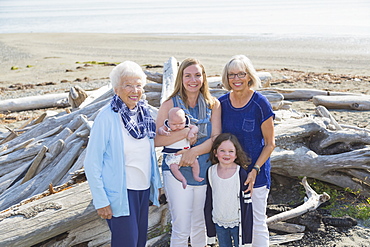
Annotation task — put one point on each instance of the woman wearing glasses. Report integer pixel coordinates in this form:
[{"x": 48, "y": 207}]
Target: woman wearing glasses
[
  {"x": 121, "y": 164},
  {"x": 248, "y": 115}
]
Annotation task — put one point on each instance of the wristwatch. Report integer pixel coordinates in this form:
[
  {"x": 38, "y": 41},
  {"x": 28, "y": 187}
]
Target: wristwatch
[{"x": 257, "y": 168}]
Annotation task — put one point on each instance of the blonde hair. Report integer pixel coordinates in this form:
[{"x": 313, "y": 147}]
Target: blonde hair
[
  {"x": 124, "y": 70},
  {"x": 180, "y": 89},
  {"x": 243, "y": 63}
]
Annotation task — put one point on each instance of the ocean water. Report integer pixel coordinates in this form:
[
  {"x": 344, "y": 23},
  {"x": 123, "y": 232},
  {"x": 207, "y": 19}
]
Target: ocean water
[{"x": 233, "y": 17}]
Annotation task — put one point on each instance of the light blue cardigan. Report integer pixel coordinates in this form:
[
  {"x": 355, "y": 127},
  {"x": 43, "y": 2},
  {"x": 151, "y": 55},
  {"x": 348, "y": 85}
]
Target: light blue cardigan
[{"x": 105, "y": 165}]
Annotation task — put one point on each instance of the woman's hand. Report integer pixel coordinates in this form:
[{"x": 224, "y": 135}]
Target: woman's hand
[
  {"x": 105, "y": 213},
  {"x": 251, "y": 179},
  {"x": 188, "y": 157}
]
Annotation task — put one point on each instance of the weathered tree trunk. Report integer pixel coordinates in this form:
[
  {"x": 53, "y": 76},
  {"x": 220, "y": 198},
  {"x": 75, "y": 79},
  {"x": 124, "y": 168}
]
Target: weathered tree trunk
[
  {"x": 8, "y": 178},
  {"x": 76, "y": 96},
  {"x": 52, "y": 152},
  {"x": 70, "y": 213},
  {"x": 67, "y": 158},
  {"x": 276, "y": 99},
  {"x": 102, "y": 93},
  {"x": 323, "y": 112},
  {"x": 11, "y": 161},
  {"x": 169, "y": 77},
  {"x": 58, "y": 120},
  {"x": 76, "y": 166},
  {"x": 307, "y": 93},
  {"x": 287, "y": 227},
  {"x": 265, "y": 78},
  {"x": 314, "y": 201},
  {"x": 306, "y": 148},
  {"x": 334, "y": 169},
  {"x": 153, "y": 87},
  {"x": 358, "y": 102},
  {"x": 280, "y": 239},
  {"x": 58, "y": 213},
  {"x": 34, "y": 102},
  {"x": 153, "y": 98},
  {"x": 11, "y": 136},
  {"x": 154, "y": 76},
  {"x": 35, "y": 164}
]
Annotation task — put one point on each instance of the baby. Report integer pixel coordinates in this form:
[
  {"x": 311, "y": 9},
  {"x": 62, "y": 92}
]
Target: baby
[{"x": 177, "y": 120}]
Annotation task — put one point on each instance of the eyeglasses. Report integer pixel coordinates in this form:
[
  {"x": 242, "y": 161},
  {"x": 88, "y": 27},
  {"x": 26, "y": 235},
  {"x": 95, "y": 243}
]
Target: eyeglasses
[
  {"x": 240, "y": 75},
  {"x": 130, "y": 87}
]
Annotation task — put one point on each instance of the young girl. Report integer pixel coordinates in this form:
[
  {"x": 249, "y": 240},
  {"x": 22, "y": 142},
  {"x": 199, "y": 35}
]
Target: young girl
[{"x": 228, "y": 210}]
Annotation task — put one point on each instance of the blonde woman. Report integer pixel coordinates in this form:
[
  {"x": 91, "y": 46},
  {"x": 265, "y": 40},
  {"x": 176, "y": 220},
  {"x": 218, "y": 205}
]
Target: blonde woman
[
  {"x": 191, "y": 94},
  {"x": 248, "y": 115}
]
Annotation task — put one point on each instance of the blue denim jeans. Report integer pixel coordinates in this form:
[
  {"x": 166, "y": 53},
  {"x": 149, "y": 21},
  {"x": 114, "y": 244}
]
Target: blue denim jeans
[{"x": 227, "y": 237}]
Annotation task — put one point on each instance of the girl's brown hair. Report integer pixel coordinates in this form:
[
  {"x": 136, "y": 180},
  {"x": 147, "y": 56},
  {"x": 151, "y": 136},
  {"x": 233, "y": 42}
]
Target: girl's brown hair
[
  {"x": 179, "y": 87},
  {"x": 241, "y": 157}
]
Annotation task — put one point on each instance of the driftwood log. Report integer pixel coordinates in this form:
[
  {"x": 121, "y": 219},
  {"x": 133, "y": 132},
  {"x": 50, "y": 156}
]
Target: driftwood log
[
  {"x": 34, "y": 102},
  {"x": 300, "y": 93},
  {"x": 280, "y": 239},
  {"x": 313, "y": 201},
  {"x": 169, "y": 77},
  {"x": 323, "y": 112},
  {"x": 76, "y": 96},
  {"x": 68, "y": 214},
  {"x": 306, "y": 147},
  {"x": 359, "y": 103},
  {"x": 154, "y": 76}
]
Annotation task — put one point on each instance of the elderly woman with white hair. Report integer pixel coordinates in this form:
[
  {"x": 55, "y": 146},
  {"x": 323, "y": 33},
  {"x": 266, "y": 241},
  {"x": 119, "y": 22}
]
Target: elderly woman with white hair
[
  {"x": 120, "y": 164},
  {"x": 248, "y": 115}
]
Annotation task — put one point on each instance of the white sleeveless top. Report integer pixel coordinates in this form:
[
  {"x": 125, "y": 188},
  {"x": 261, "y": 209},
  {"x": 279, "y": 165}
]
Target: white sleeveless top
[
  {"x": 225, "y": 193},
  {"x": 137, "y": 153}
]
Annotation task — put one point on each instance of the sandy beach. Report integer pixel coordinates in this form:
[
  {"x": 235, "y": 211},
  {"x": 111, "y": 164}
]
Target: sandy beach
[
  {"x": 337, "y": 64},
  {"x": 51, "y": 54}
]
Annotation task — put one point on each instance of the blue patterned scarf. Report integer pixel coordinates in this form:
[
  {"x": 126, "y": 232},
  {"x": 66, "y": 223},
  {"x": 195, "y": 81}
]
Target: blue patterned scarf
[{"x": 145, "y": 124}]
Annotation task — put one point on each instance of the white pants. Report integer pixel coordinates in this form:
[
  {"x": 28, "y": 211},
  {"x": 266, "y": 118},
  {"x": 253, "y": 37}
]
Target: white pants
[
  {"x": 186, "y": 207},
  {"x": 260, "y": 230}
]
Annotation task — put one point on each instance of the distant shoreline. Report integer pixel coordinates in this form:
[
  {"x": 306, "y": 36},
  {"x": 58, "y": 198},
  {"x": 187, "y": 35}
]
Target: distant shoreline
[{"x": 186, "y": 34}]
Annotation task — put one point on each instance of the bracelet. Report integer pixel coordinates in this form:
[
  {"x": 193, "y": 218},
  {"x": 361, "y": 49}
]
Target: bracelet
[{"x": 257, "y": 168}]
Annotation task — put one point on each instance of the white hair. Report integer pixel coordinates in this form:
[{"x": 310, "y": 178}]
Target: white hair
[{"x": 125, "y": 70}]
